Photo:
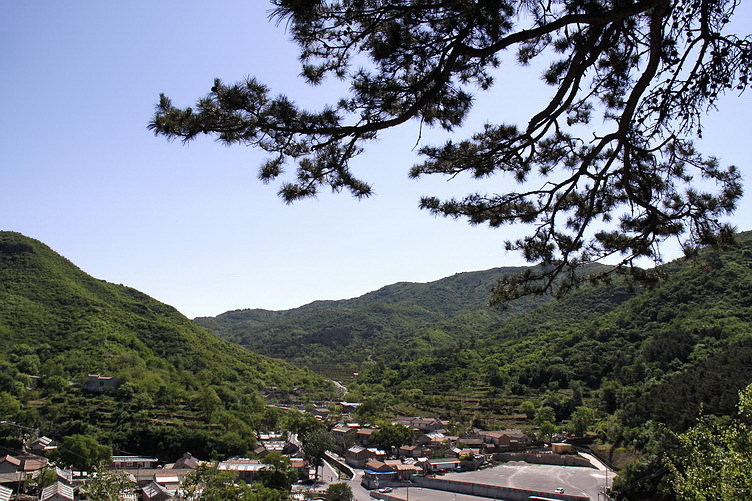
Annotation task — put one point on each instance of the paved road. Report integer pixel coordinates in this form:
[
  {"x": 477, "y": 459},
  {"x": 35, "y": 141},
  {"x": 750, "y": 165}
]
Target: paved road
[
  {"x": 360, "y": 493},
  {"x": 327, "y": 476}
]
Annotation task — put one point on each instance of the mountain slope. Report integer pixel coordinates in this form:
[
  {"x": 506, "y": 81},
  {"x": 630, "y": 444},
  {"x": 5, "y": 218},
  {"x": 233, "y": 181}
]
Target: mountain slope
[
  {"x": 659, "y": 354},
  {"x": 58, "y": 323},
  {"x": 437, "y": 346},
  {"x": 336, "y": 337}
]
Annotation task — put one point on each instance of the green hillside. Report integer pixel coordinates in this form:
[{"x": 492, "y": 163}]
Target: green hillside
[
  {"x": 183, "y": 388},
  {"x": 689, "y": 337},
  {"x": 396, "y": 322},
  {"x": 644, "y": 361},
  {"x": 439, "y": 346}
]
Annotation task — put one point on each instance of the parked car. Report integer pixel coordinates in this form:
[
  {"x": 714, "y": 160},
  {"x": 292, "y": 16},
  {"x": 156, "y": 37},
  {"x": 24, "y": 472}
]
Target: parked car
[
  {"x": 385, "y": 489},
  {"x": 559, "y": 490}
]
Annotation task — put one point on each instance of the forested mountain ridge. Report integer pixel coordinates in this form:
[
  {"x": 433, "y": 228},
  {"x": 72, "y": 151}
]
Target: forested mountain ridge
[
  {"x": 440, "y": 298},
  {"x": 688, "y": 335},
  {"x": 179, "y": 380},
  {"x": 645, "y": 361},
  {"x": 335, "y": 337}
]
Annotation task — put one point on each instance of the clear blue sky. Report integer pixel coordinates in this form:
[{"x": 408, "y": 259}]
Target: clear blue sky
[{"x": 191, "y": 225}]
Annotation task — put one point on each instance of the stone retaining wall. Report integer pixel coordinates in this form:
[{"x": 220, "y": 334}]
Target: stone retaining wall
[
  {"x": 543, "y": 458},
  {"x": 340, "y": 464},
  {"x": 490, "y": 491}
]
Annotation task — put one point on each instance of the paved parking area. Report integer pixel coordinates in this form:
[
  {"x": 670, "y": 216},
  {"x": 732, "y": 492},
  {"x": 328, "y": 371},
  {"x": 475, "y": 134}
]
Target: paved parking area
[{"x": 541, "y": 477}]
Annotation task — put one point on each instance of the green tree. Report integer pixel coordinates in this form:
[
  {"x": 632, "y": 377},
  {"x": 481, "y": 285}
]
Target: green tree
[
  {"x": 528, "y": 408},
  {"x": 715, "y": 457},
  {"x": 315, "y": 444},
  {"x": 393, "y": 436},
  {"x": 546, "y": 430},
  {"x": 279, "y": 473},
  {"x": 301, "y": 423},
  {"x": 82, "y": 452},
  {"x": 544, "y": 414},
  {"x": 545, "y": 417},
  {"x": 9, "y": 405},
  {"x": 582, "y": 419},
  {"x": 645, "y": 72},
  {"x": 47, "y": 476},
  {"x": 107, "y": 485},
  {"x": 208, "y": 401},
  {"x": 371, "y": 407},
  {"x": 339, "y": 492},
  {"x": 54, "y": 385}
]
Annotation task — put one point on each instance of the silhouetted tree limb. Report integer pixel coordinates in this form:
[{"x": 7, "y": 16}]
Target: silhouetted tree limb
[{"x": 649, "y": 70}]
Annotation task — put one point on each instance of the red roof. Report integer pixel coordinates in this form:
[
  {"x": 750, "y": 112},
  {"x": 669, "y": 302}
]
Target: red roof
[
  {"x": 11, "y": 460},
  {"x": 34, "y": 464}
]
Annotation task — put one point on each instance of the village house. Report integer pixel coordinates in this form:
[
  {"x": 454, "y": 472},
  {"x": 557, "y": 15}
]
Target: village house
[
  {"x": 432, "y": 439},
  {"x": 357, "y": 456},
  {"x": 349, "y": 407},
  {"x": 168, "y": 479},
  {"x": 426, "y": 425},
  {"x": 429, "y": 425},
  {"x": 64, "y": 476},
  {"x": 5, "y": 493},
  {"x": 245, "y": 469},
  {"x": 377, "y": 473},
  {"x": 405, "y": 471},
  {"x": 32, "y": 465},
  {"x": 363, "y": 436},
  {"x": 132, "y": 462},
  {"x": 301, "y": 466},
  {"x": 187, "y": 461},
  {"x": 403, "y": 420},
  {"x": 129, "y": 495},
  {"x": 377, "y": 466},
  {"x": 435, "y": 444},
  {"x": 411, "y": 451},
  {"x": 265, "y": 447},
  {"x": 473, "y": 443},
  {"x": 561, "y": 448},
  {"x": 9, "y": 464},
  {"x": 467, "y": 452},
  {"x": 97, "y": 383},
  {"x": 340, "y": 431},
  {"x": 20, "y": 468},
  {"x": 510, "y": 439},
  {"x": 270, "y": 436},
  {"x": 321, "y": 412},
  {"x": 57, "y": 492},
  {"x": 143, "y": 476},
  {"x": 156, "y": 492},
  {"x": 470, "y": 459},
  {"x": 441, "y": 465},
  {"x": 42, "y": 445}
]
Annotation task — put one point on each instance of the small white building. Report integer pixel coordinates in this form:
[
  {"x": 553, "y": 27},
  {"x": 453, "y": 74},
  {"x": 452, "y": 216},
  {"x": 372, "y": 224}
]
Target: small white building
[
  {"x": 97, "y": 383},
  {"x": 133, "y": 462}
]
